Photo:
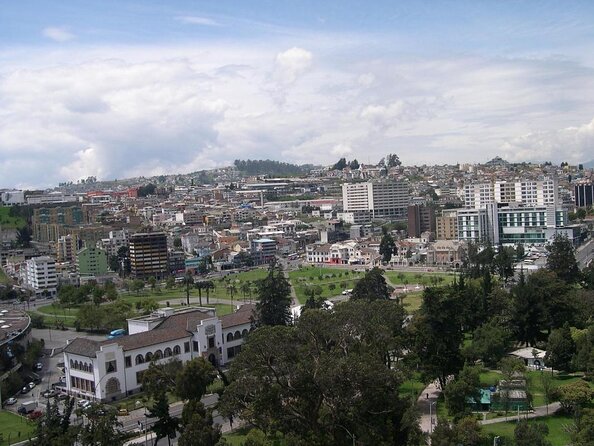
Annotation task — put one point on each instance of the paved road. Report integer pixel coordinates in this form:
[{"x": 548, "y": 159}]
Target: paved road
[
  {"x": 427, "y": 405},
  {"x": 585, "y": 253},
  {"x": 540, "y": 411}
]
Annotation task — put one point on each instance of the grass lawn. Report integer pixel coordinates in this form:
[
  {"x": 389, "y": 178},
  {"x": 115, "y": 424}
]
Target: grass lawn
[
  {"x": 490, "y": 377},
  {"x": 535, "y": 384},
  {"x": 412, "y": 387},
  {"x": 13, "y": 424},
  {"x": 412, "y": 302},
  {"x": 325, "y": 278},
  {"x": 556, "y": 424},
  {"x": 8, "y": 222},
  {"x": 422, "y": 278}
]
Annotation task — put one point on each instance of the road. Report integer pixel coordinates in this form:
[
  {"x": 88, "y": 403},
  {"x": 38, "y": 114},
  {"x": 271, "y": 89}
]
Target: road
[{"x": 585, "y": 253}]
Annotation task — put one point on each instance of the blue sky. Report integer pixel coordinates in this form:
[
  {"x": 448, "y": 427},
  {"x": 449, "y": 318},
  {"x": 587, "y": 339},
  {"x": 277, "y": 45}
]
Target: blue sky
[{"x": 120, "y": 88}]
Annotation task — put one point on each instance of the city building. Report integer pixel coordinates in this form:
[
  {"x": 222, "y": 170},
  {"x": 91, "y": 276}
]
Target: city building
[
  {"x": 91, "y": 262},
  {"x": 112, "y": 369},
  {"x": 39, "y": 275},
  {"x": 446, "y": 225},
  {"x": 66, "y": 248},
  {"x": 363, "y": 202},
  {"x": 420, "y": 219},
  {"x": 148, "y": 255},
  {"x": 584, "y": 195},
  {"x": 527, "y": 192},
  {"x": 263, "y": 250},
  {"x": 12, "y": 197}
]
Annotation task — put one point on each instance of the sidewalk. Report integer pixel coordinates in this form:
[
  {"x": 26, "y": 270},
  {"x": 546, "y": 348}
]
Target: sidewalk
[
  {"x": 427, "y": 404},
  {"x": 540, "y": 411}
]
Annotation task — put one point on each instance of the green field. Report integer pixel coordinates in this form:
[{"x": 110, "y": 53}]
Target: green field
[
  {"x": 420, "y": 278},
  {"x": 558, "y": 435},
  {"x": 412, "y": 301},
  {"x": 324, "y": 278},
  {"x": 535, "y": 385},
  {"x": 8, "y": 222},
  {"x": 11, "y": 424}
]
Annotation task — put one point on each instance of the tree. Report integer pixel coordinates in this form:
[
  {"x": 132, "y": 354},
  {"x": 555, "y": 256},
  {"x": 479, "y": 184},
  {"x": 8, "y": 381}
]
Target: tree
[
  {"x": 372, "y": 286},
  {"x": 354, "y": 164},
  {"x": 199, "y": 286},
  {"x": 53, "y": 428},
  {"x": 198, "y": 428},
  {"x": 464, "y": 387},
  {"x": 194, "y": 378},
  {"x": 161, "y": 376},
  {"x": 166, "y": 425},
  {"x": 584, "y": 429},
  {"x": 531, "y": 434},
  {"x": 101, "y": 428},
  {"x": 274, "y": 298},
  {"x": 177, "y": 243},
  {"x": 152, "y": 282},
  {"x": 575, "y": 395},
  {"x": 520, "y": 252},
  {"x": 561, "y": 259},
  {"x": 387, "y": 247},
  {"x": 560, "y": 349},
  {"x": 170, "y": 282},
  {"x": 188, "y": 282},
  {"x": 24, "y": 237},
  {"x": 341, "y": 164},
  {"x": 504, "y": 262},
  {"x": 528, "y": 312},
  {"x": 321, "y": 381},
  {"x": 208, "y": 285},
  {"x": 436, "y": 333},
  {"x": 490, "y": 342},
  {"x": 548, "y": 388}
]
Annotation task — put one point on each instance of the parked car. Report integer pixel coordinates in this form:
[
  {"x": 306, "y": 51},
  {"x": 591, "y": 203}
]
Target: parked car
[
  {"x": 38, "y": 367},
  {"x": 10, "y": 401},
  {"x": 62, "y": 396},
  {"x": 35, "y": 415},
  {"x": 83, "y": 404},
  {"x": 31, "y": 385},
  {"x": 25, "y": 389},
  {"x": 122, "y": 412},
  {"x": 49, "y": 393}
]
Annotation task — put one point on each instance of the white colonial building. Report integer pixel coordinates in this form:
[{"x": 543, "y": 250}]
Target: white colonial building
[{"x": 112, "y": 369}]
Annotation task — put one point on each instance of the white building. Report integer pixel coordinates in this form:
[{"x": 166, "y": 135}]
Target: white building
[
  {"x": 527, "y": 192},
  {"x": 112, "y": 369},
  {"x": 12, "y": 197},
  {"x": 39, "y": 275},
  {"x": 114, "y": 242},
  {"x": 374, "y": 199}
]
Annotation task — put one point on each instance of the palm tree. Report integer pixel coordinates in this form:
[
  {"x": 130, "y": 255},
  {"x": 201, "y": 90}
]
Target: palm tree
[
  {"x": 231, "y": 290},
  {"x": 199, "y": 286},
  {"x": 208, "y": 285},
  {"x": 246, "y": 289},
  {"x": 188, "y": 281}
]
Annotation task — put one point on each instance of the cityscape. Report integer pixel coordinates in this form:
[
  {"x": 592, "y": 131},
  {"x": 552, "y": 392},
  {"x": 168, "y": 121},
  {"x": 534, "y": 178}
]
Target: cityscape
[{"x": 296, "y": 224}]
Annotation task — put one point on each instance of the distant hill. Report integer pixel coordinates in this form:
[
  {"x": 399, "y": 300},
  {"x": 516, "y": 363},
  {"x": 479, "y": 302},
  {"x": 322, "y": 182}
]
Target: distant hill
[{"x": 270, "y": 167}]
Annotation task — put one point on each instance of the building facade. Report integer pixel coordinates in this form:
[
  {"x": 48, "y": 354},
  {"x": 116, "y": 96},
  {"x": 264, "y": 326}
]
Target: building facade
[
  {"x": 584, "y": 195},
  {"x": 375, "y": 200},
  {"x": 148, "y": 255},
  {"x": 420, "y": 219},
  {"x": 91, "y": 262},
  {"x": 39, "y": 275}
]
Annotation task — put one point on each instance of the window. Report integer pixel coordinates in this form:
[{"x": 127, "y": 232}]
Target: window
[
  {"x": 229, "y": 337},
  {"x": 128, "y": 361},
  {"x": 176, "y": 350},
  {"x": 167, "y": 352},
  {"x": 148, "y": 357},
  {"x": 111, "y": 366},
  {"x": 158, "y": 354},
  {"x": 211, "y": 342},
  {"x": 139, "y": 359},
  {"x": 186, "y": 347},
  {"x": 195, "y": 346}
]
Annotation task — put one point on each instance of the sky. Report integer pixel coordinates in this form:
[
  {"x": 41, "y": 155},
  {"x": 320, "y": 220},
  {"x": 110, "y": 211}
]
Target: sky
[{"x": 115, "y": 89}]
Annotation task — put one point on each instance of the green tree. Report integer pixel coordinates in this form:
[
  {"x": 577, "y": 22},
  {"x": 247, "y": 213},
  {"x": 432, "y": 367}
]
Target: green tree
[
  {"x": 531, "y": 434},
  {"x": 101, "y": 428},
  {"x": 561, "y": 259},
  {"x": 193, "y": 379},
  {"x": 372, "y": 286},
  {"x": 548, "y": 388},
  {"x": 583, "y": 435},
  {"x": 504, "y": 262},
  {"x": 188, "y": 282},
  {"x": 387, "y": 247},
  {"x": 490, "y": 342},
  {"x": 575, "y": 395},
  {"x": 170, "y": 282},
  {"x": 560, "y": 349},
  {"x": 458, "y": 391},
  {"x": 54, "y": 428},
  {"x": 152, "y": 282},
  {"x": 274, "y": 298},
  {"x": 166, "y": 425},
  {"x": 198, "y": 428}
]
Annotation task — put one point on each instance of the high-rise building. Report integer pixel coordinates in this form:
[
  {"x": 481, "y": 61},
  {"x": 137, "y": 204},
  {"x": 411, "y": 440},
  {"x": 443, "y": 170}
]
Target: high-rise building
[
  {"x": 446, "y": 225},
  {"x": 584, "y": 195},
  {"x": 420, "y": 219},
  {"x": 148, "y": 255},
  {"x": 371, "y": 200},
  {"x": 263, "y": 250},
  {"x": 91, "y": 262},
  {"x": 66, "y": 248},
  {"x": 39, "y": 275},
  {"x": 527, "y": 192}
]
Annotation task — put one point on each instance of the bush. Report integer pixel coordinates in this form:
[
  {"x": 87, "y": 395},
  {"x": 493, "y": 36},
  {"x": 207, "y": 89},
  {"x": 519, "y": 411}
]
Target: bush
[{"x": 37, "y": 321}]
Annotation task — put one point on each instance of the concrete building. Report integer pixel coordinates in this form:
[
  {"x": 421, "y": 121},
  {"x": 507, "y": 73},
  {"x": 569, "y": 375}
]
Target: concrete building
[
  {"x": 91, "y": 262},
  {"x": 263, "y": 250},
  {"x": 446, "y": 225},
  {"x": 112, "y": 369},
  {"x": 472, "y": 224},
  {"x": 420, "y": 219},
  {"x": 39, "y": 275},
  {"x": 527, "y": 192},
  {"x": 584, "y": 195},
  {"x": 114, "y": 242},
  {"x": 12, "y": 197},
  {"x": 363, "y": 202},
  {"x": 66, "y": 248},
  {"x": 148, "y": 255}
]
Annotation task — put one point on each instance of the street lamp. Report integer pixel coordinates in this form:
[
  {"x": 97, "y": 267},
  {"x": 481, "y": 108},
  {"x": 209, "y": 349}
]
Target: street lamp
[{"x": 431, "y": 415}]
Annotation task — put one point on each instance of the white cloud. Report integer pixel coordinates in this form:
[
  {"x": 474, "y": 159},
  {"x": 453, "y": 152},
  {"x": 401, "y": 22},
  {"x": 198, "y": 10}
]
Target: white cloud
[
  {"x": 292, "y": 63},
  {"x": 58, "y": 34},
  {"x": 196, "y": 20},
  {"x": 119, "y": 111}
]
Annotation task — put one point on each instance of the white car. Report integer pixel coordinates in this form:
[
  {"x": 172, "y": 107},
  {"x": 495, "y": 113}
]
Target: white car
[
  {"x": 83, "y": 404},
  {"x": 10, "y": 401}
]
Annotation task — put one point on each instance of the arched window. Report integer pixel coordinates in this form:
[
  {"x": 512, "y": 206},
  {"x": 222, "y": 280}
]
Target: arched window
[
  {"x": 76, "y": 365},
  {"x": 139, "y": 359},
  {"x": 148, "y": 357},
  {"x": 71, "y": 364},
  {"x": 158, "y": 354},
  {"x": 167, "y": 352},
  {"x": 112, "y": 386},
  {"x": 176, "y": 350},
  {"x": 229, "y": 337},
  {"x": 85, "y": 367},
  {"x": 244, "y": 333},
  {"x": 237, "y": 335},
  {"x": 91, "y": 368}
]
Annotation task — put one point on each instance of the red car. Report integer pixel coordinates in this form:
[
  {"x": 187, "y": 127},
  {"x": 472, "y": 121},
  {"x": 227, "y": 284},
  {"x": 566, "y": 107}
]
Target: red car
[{"x": 36, "y": 414}]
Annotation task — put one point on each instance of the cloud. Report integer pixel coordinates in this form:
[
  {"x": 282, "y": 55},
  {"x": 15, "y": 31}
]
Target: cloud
[
  {"x": 291, "y": 64},
  {"x": 113, "y": 112},
  {"x": 196, "y": 20},
  {"x": 58, "y": 34}
]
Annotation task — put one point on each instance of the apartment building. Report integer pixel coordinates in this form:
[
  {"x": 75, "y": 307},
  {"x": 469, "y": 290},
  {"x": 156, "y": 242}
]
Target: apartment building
[
  {"x": 527, "y": 192},
  {"x": 263, "y": 250},
  {"x": 91, "y": 262},
  {"x": 39, "y": 275},
  {"x": 446, "y": 225},
  {"x": 66, "y": 248},
  {"x": 420, "y": 219},
  {"x": 375, "y": 200},
  {"x": 584, "y": 195},
  {"x": 148, "y": 255}
]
